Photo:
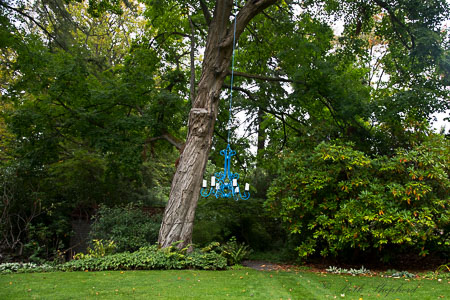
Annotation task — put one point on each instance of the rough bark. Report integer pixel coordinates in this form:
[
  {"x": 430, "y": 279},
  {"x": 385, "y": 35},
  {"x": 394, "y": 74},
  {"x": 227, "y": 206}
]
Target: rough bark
[{"x": 179, "y": 214}]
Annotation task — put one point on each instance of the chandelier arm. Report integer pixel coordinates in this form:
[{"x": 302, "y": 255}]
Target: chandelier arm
[{"x": 204, "y": 192}]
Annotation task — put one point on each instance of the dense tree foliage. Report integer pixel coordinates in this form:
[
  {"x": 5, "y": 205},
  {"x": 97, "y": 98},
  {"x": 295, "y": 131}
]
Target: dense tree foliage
[{"x": 95, "y": 109}]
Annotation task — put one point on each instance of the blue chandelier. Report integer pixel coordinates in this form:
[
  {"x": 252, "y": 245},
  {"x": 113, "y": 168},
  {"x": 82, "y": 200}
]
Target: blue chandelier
[{"x": 224, "y": 184}]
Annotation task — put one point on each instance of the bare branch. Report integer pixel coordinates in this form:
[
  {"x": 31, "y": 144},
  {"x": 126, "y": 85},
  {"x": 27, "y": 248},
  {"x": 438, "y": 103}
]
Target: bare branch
[{"x": 168, "y": 137}]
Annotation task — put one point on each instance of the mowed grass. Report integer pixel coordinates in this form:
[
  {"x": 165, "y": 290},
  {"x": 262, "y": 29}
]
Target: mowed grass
[{"x": 231, "y": 284}]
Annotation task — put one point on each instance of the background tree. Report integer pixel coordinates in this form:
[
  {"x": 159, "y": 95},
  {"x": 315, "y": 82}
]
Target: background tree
[{"x": 86, "y": 117}]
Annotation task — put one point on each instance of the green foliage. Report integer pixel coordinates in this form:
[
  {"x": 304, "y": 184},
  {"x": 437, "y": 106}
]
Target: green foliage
[
  {"x": 443, "y": 269},
  {"x": 234, "y": 252},
  {"x": 247, "y": 220},
  {"x": 399, "y": 274},
  {"x": 129, "y": 227},
  {"x": 206, "y": 261},
  {"x": 351, "y": 271},
  {"x": 99, "y": 249},
  {"x": 435, "y": 276},
  {"x": 442, "y": 272},
  {"x": 7, "y": 268},
  {"x": 150, "y": 258},
  {"x": 337, "y": 198}
]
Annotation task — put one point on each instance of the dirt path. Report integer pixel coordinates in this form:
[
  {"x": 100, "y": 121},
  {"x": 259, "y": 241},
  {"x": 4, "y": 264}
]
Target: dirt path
[{"x": 267, "y": 266}]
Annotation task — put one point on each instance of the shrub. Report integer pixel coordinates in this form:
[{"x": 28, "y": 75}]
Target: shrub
[
  {"x": 234, "y": 252},
  {"x": 149, "y": 258},
  {"x": 99, "y": 250},
  {"x": 337, "y": 198},
  {"x": 206, "y": 261},
  {"x": 129, "y": 227}
]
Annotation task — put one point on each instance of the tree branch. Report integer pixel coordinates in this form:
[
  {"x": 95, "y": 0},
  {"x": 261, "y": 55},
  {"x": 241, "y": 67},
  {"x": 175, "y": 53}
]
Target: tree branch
[
  {"x": 34, "y": 21},
  {"x": 394, "y": 21},
  {"x": 245, "y": 15},
  {"x": 279, "y": 116},
  {"x": 168, "y": 137},
  {"x": 266, "y": 78},
  {"x": 284, "y": 133},
  {"x": 206, "y": 12}
]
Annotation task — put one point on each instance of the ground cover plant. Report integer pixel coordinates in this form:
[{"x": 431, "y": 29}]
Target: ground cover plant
[
  {"x": 100, "y": 258},
  {"x": 150, "y": 258},
  {"x": 231, "y": 284}
]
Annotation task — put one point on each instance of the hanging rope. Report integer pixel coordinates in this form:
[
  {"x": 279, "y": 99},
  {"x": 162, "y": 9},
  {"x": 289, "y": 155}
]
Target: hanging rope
[{"x": 232, "y": 75}]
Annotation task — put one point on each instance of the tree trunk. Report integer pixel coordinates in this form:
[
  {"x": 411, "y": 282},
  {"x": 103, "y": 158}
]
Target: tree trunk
[{"x": 178, "y": 220}]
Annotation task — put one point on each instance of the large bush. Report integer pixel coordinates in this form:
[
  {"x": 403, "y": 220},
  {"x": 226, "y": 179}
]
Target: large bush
[
  {"x": 129, "y": 227},
  {"x": 337, "y": 198}
]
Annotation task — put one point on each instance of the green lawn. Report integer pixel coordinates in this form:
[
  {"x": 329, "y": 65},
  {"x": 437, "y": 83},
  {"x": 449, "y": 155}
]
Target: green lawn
[{"x": 232, "y": 284}]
